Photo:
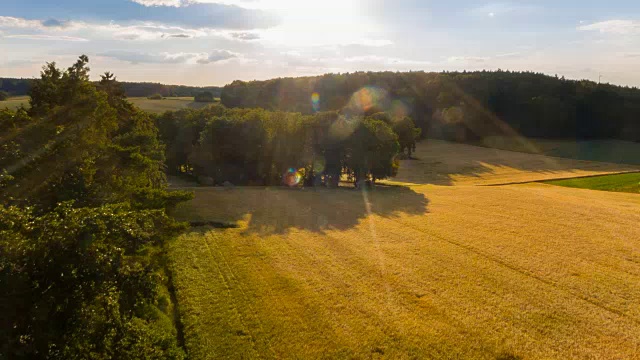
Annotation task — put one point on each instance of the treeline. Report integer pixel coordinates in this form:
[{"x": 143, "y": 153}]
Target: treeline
[
  {"x": 21, "y": 87},
  {"x": 460, "y": 106},
  {"x": 83, "y": 223},
  {"x": 136, "y": 89},
  {"x": 15, "y": 87},
  {"x": 217, "y": 145}
]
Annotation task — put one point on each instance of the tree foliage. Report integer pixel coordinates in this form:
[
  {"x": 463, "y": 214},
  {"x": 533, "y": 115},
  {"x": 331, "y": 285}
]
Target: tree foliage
[
  {"x": 255, "y": 146},
  {"x": 82, "y": 224},
  {"x": 205, "y": 96},
  {"x": 83, "y": 283},
  {"x": 19, "y": 87},
  {"x": 462, "y": 106}
]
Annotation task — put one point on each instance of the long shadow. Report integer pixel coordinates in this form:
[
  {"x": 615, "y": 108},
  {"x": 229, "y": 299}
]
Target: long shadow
[
  {"x": 268, "y": 211},
  {"x": 444, "y": 163}
]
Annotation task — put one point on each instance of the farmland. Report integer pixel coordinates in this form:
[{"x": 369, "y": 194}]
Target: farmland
[
  {"x": 167, "y": 104},
  {"x": 416, "y": 271},
  {"x": 605, "y": 150},
  {"x": 153, "y": 106},
  {"x": 15, "y": 102},
  {"x": 443, "y": 163},
  {"x": 620, "y": 183}
]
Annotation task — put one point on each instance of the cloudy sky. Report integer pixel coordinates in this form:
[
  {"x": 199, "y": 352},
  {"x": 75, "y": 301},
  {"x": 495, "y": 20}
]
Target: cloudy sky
[{"x": 213, "y": 42}]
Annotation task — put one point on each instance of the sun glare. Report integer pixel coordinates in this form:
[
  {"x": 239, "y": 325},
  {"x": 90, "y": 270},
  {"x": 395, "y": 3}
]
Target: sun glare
[{"x": 321, "y": 23}]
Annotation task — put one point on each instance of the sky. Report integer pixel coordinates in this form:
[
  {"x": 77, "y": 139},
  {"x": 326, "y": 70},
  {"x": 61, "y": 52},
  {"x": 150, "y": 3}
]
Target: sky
[{"x": 213, "y": 42}]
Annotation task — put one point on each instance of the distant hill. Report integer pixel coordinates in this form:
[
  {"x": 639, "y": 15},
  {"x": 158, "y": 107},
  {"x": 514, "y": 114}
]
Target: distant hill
[
  {"x": 460, "y": 106},
  {"x": 20, "y": 87}
]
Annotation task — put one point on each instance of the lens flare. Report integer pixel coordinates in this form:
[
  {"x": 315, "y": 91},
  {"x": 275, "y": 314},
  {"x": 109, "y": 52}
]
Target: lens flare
[
  {"x": 399, "y": 109},
  {"x": 292, "y": 177},
  {"x": 367, "y": 98},
  {"x": 319, "y": 166},
  {"x": 315, "y": 101},
  {"x": 343, "y": 127}
]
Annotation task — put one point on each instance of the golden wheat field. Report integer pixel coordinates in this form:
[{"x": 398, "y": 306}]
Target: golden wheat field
[
  {"x": 445, "y": 163},
  {"x": 528, "y": 271}
]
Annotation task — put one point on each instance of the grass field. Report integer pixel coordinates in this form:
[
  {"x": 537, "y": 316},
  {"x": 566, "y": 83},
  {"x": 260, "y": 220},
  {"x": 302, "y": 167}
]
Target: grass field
[
  {"x": 530, "y": 271},
  {"x": 444, "y": 163},
  {"x": 15, "y": 102},
  {"x": 154, "y": 106},
  {"x": 620, "y": 183},
  {"x": 167, "y": 104},
  {"x": 614, "y": 151}
]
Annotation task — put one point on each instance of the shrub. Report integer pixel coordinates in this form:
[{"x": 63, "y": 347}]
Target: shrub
[{"x": 205, "y": 96}]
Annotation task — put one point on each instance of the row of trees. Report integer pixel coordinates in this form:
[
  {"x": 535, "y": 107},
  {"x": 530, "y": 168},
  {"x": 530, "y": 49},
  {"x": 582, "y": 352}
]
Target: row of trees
[
  {"x": 19, "y": 87},
  {"x": 82, "y": 225},
  {"x": 462, "y": 106},
  {"x": 15, "y": 87},
  {"x": 255, "y": 146}
]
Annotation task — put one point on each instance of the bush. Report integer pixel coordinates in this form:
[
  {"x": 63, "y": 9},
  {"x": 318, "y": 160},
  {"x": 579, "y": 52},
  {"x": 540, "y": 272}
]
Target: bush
[
  {"x": 205, "y": 96},
  {"x": 4, "y": 95},
  {"x": 155, "y": 97}
]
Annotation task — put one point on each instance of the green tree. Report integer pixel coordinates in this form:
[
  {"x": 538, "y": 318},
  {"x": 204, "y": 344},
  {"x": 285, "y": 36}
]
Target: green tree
[
  {"x": 407, "y": 133},
  {"x": 82, "y": 224},
  {"x": 83, "y": 283},
  {"x": 205, "y": 96},
  {"x": 371, "y": 150}
]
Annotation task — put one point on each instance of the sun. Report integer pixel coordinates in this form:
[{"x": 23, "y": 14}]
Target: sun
[{"x": 318, "y": 23}]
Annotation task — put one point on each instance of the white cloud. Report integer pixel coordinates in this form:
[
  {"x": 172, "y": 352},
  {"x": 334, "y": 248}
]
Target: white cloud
[
  {"x": 509, "y": 55},
  {"x": 468, "y": 59},
  {"x": 620, "y": 27},
  {"x": 19, "y": 23},
  {"x": 76, "y": 29},
  {"x": 248, "y": 4},
  {"x": 495, "y": 9},
  {"x": 217, "y": 56},
  {"x": 175, "y": 3},
  {"x": 45, "y": 37},
  {"x": 245, "y": 36},
  {"x": 383, "y": 60},
  {"x": 135, "y": 57}
]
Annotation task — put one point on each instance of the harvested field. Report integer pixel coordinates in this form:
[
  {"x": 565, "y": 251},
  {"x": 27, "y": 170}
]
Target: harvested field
[
  {"x": 444, "y": 163},
  {"x": 522, "y": 271}
]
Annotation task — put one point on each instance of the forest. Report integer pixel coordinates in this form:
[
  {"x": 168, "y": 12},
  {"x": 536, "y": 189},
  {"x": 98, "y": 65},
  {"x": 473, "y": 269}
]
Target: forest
[
  {"x": 20, "y": 87},
  {"x": 460, "y": 106}
]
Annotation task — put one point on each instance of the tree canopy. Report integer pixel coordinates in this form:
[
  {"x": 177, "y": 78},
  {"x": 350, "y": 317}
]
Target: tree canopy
[
  {"x": 461, "y": 106},
  {"x": 205, "y": 96},
  {"x": 255, "y": 146},
  {"x": 19, "y": 87},
  {"x": 83, "y": 221}
]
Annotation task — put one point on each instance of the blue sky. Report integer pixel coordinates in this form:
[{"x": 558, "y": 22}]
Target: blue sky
[{"x": 213, "y": 42}]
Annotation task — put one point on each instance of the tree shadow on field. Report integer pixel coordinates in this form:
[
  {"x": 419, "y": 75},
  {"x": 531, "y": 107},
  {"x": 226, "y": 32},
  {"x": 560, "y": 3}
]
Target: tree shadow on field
[
  {"x": 444, "y": 163},
  {"x": 270, "y": 210}
]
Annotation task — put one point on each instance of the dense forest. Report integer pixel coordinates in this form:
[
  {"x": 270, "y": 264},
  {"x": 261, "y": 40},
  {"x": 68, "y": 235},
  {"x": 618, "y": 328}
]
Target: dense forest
[
  {"x": 259, "y": 147},
  {"x": 20, "y": 87},
  {"x": 460, "y": 106},
  {"x": 83, "y": 223}
]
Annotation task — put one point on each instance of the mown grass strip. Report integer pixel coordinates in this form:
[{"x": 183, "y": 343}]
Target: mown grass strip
[{"x": 629, "y": 183}]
